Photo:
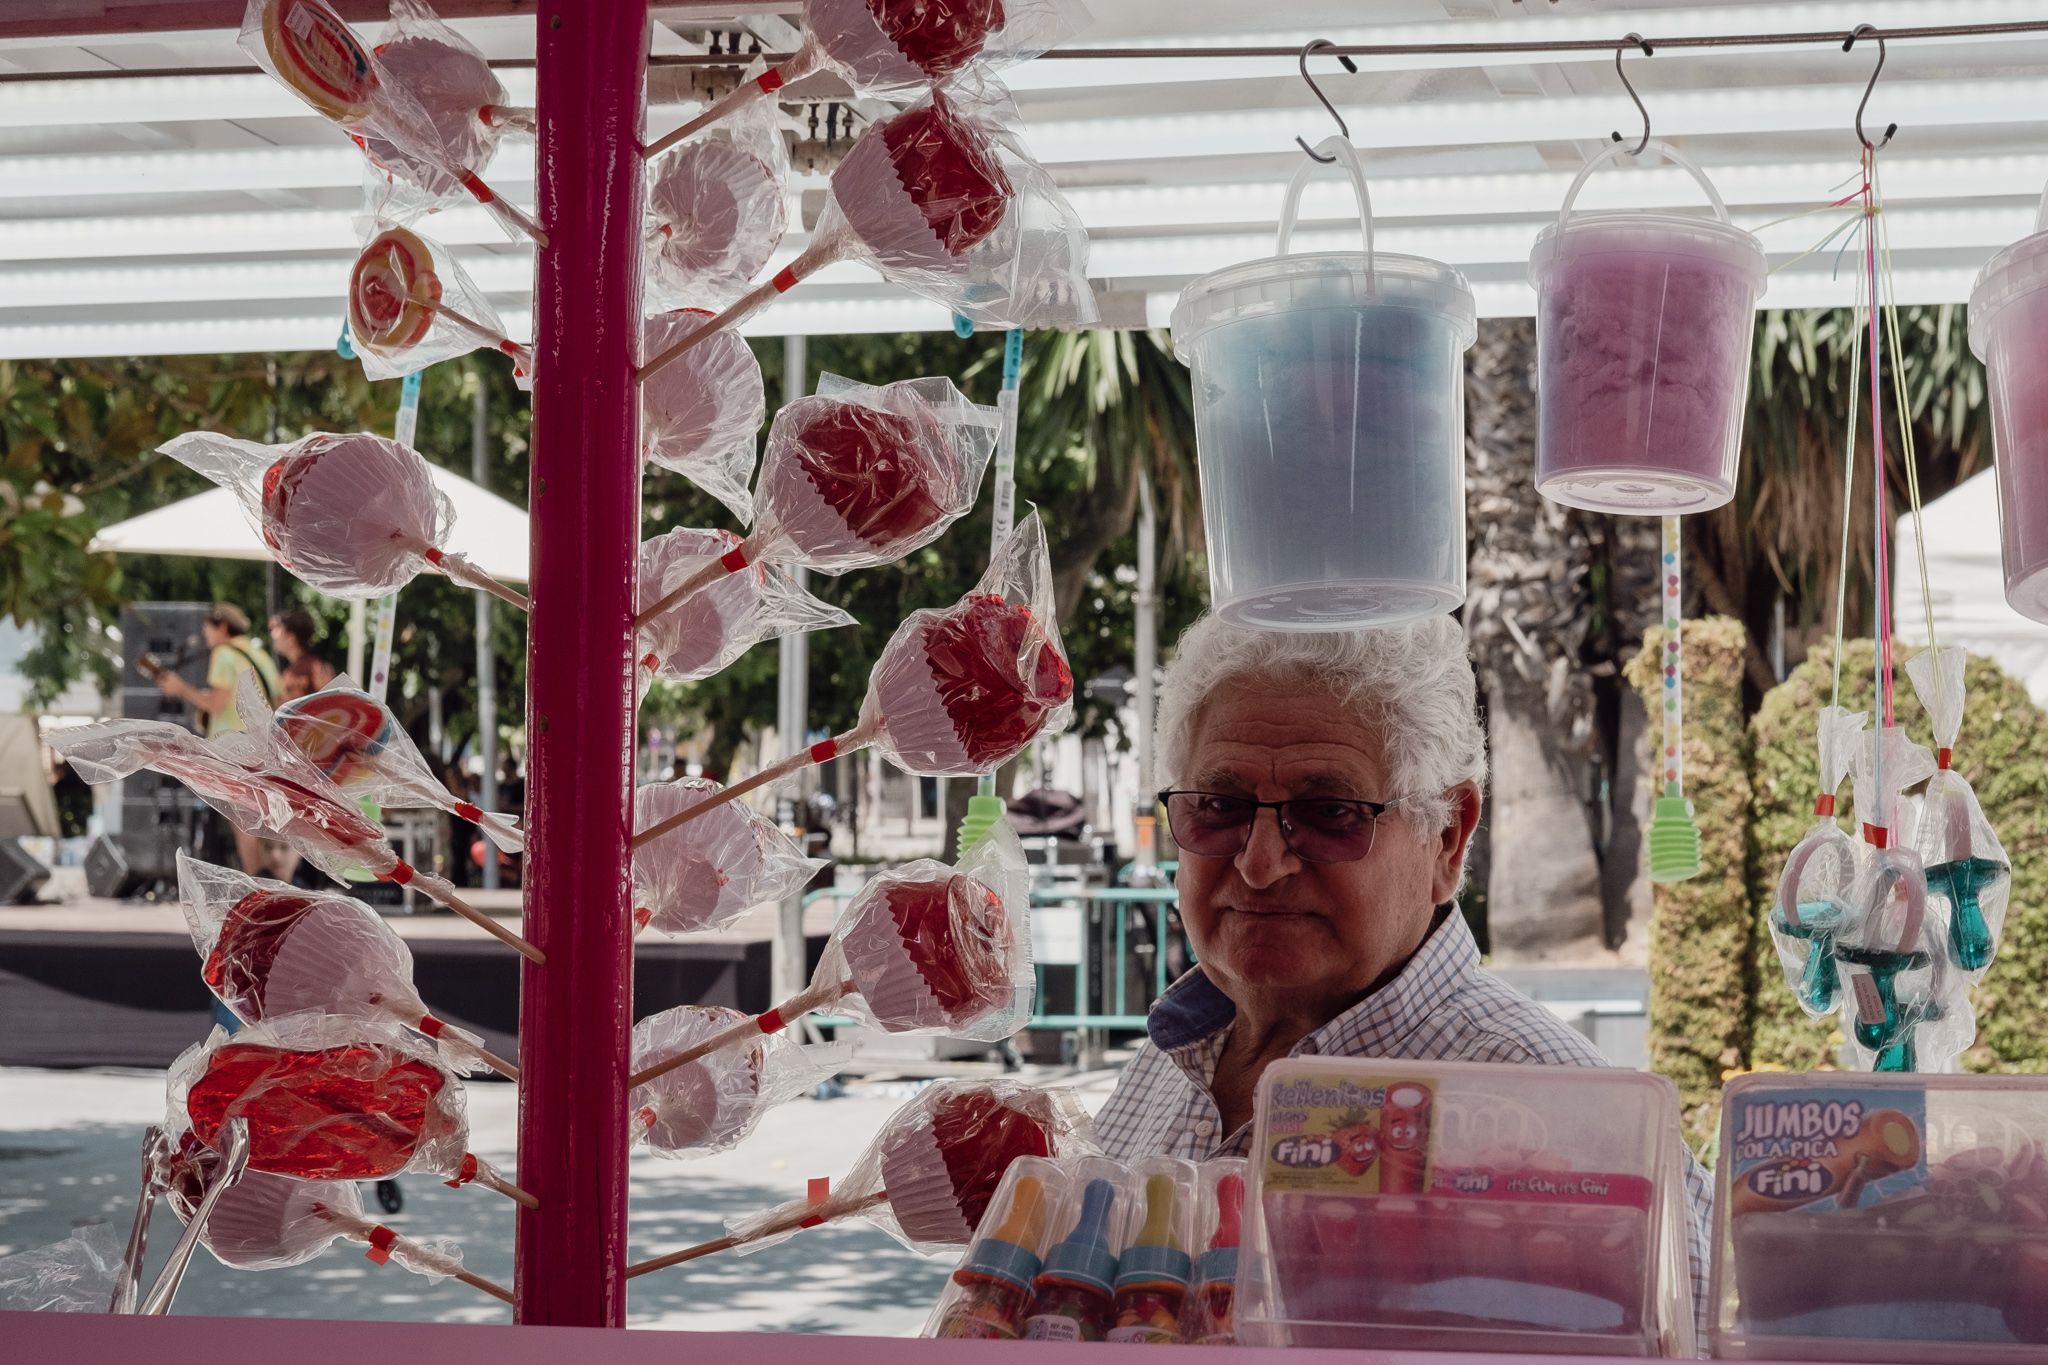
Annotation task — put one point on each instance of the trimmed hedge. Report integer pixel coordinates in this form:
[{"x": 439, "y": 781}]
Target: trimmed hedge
[
  {"x": 2003, "y": 751},
  {"x": 1700, "y": 958}
]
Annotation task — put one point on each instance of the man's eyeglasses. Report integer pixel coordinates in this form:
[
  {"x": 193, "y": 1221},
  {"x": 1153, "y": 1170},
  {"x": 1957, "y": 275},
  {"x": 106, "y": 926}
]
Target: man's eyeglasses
[{"x": 1317, "y": 829}]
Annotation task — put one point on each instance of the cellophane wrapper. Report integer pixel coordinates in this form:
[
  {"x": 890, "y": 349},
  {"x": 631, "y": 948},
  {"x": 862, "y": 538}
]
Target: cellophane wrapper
[
  {"x": 973, "y": 1308},
  {"x": 701, "y": 413},
  {"x": 268, "y": 949},
  {"x": 75, "y": 1275},
  {"x": 717, "y": 208},
  {"x": 856, "y": 476},
  {"x": 355, "y": 740},
  {"x": 903, "y": 47},
  {"x": 705, "y": 632},
  {"x": 961, "y": 692},
  {"x": 329, "y": 505},
  {"x": 940, "y": 1158},
  {"x": 933, "y": 949},
  {"x": 711, "y": 1104},
  {"x": 402, "y": 290},
  {"x": 1888, "y": 762},
  {"x": 452, "y": 83},
  {"x": 1208, "y": 1316},
  {"x": 944, "y": 199},
  {"x": 1966, "y": 864},
  {"x": 306, "y": 47},
  {"x": 326, "y": 1098},
  {"x": 1813, "y": 903},
  {"x": 709, "y": 872},
  {"x": 258, "y": 783},
  {"x": 263, "y": 1221},
  {"x": 1893, "y": 915}
]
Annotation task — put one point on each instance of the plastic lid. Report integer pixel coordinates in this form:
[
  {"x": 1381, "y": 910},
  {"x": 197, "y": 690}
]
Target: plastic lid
[
  {"x": 996, "y": 1259},
  {"x": 1086, "y": 1264},
  {"x": 2011, "y": 275},
  {"x": 1218, "y": 1264},
  {"x": 1147, "y": 1263},
  {"x": 1670, "y": 234},
  {"x": 1334, "y": 279}
]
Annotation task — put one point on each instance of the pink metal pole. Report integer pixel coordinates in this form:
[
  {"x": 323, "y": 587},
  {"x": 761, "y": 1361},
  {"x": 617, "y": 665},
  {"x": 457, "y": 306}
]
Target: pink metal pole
[{"x": 576, "y": 1011}]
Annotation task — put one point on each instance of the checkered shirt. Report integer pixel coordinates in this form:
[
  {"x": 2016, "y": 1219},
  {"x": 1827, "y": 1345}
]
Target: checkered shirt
[{"x": 1441, "y": 1007}]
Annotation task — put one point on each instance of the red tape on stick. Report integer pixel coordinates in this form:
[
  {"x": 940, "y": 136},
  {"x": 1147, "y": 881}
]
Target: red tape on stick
[
  {"x": 431, "y": 1026},
  {"x": 1877, "y": 836},
  {"x": 476, "y": 187},
  {"x": 466, "y": 1174},
  {"x": 819, "y": 1190},
  {"x": 1942, "y": 757},
  {"x": 381, "y": 1241},
  {"x": 773, "y": 1022},
  {"x": 785, "y": 280},
  {"x": 770, "y": 81},
  {"x": 1824, "y": 804},
  {"x": 824, "y": 749},
  {"x": 433, "y": 555},
  {"x": 400, "y": 874},
  {"x": 732, "y": 561},
  {"x": 469, "y": 812}
]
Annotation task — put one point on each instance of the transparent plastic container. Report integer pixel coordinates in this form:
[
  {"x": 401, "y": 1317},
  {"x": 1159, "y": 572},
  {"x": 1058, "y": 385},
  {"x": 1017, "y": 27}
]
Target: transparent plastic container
[
  {"x": 1329, "y": 395},
  {"x": 1463, "y": 1206},
  {"x": 1644, "y": 323},
  {"x": 1882, "y": 1218},
  {"x": 2009, "y": 333}
]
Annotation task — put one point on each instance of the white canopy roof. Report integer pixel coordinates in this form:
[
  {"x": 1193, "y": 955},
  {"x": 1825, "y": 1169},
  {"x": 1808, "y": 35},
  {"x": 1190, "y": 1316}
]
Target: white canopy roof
[
  {"x": 490, "y": 530},
  {"x": 193, "y": 214},
  {"x": 1966, "y": 578}
]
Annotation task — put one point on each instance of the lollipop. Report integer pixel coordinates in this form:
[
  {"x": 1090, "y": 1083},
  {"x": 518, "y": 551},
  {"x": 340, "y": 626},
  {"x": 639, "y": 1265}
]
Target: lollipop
[
  {"x": 942, "y": 199},
  {"x": 269, "y": 950},
  {"x": 331, "y": 1099},
  {"x": 462, "y": 99},
  {"x": 716, "y": 211},
  {"x": 354, "y": 515},
  {"x": 711, "y": 1104},
  {"x": 856, "y": 476},
  {"x": 1813, "y": 903},
  {"x": 701, "y": 634},
  {"x": 1965, "y": 862},
  {"x": 266, "y": 787},
  {"x": 699, "y": 416},
  {"x": 926, "y": 948},
  {"x": 355, "y": 740},
  {"x": 931, "y": 1173},
  {"x": 268, "y": 1222},
  {"x": 896, "y": 47},
  {"x": 960, "y": 691},
  {"x": 707, "y": 875},
  {"x": 401, "y": 287},
  {"x": 315, "y": 55}
]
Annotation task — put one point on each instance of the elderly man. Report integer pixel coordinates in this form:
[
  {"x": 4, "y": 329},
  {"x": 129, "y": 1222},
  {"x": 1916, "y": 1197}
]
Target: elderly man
[{"x": 1329, "y": 927}]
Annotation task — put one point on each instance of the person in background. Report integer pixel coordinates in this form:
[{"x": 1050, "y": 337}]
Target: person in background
[
  {"x": 230, "y": 653},
  {"x": 293, "y": 634}
]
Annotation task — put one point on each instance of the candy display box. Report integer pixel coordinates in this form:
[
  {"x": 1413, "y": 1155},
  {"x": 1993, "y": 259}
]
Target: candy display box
[
  {"x": 1465, "y": 1206},
  {"x": 1882, "y": 1218}
]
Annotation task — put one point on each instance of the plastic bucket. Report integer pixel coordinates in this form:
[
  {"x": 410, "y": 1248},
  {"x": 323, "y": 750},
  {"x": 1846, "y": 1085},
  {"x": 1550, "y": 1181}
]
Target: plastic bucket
[
  {"x": 1643, "y": 323},
  {"x": 1329, "y": 398},
  {"x": 2009, "y": 333}
]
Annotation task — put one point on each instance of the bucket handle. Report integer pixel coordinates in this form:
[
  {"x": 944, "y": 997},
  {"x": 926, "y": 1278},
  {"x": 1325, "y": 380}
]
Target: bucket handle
[
  {"x": 1663, "y": 149},
  {"x": 1346, "y": 156}
]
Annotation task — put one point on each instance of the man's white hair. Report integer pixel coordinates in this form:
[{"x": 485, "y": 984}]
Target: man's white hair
[{"x": 1412, "y": 684}]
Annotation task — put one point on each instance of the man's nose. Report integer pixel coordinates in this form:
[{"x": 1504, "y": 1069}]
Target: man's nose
[{"x": 1265, "y": 858}]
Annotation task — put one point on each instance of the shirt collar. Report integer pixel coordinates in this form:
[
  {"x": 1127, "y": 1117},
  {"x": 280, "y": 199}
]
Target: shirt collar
[{"x": 1194, "y": 1008}]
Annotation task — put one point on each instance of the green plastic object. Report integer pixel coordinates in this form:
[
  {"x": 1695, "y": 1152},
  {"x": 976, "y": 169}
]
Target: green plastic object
[
  {"x": 984, "y": 813},
  {"x": 1674, "y": 841}
]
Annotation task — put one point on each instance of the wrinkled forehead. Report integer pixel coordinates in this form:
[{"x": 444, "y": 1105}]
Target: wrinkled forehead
[{"x": 1286, "y": 734}]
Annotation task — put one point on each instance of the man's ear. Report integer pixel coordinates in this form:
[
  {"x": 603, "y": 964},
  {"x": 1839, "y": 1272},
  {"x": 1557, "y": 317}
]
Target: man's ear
[{"x": 1453, "y": 841}]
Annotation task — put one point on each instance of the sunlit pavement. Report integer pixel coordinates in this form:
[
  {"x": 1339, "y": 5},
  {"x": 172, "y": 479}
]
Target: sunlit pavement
[{"x": 70, "y": 1152}]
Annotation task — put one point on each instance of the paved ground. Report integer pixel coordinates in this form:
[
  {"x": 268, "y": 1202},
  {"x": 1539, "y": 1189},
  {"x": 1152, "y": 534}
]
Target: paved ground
[{"x": 69, "y": 1153}]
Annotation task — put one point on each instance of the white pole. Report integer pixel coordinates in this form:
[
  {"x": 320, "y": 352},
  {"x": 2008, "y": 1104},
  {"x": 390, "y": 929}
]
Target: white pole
[
  {"x": 787, "y": 968},
  {"x": 1146, "y": 606}
]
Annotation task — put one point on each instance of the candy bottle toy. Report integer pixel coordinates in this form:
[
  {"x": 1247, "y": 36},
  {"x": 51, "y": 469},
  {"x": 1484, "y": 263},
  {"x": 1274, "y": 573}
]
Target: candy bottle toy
[
  {"x": 1074, "y": 1289},
  {"x": 1152, "y": 1275},
  {"x": 995, "y": 1280},
  {"x": 1209, "y": 1316}
]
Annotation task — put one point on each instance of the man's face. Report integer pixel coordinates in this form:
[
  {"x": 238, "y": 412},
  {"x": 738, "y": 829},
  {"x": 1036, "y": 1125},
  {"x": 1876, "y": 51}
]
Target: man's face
[
  {"x": 279, "y": 637},
  {"x": 214, "y": 634},
  {"x": 1267, "y": 924}
]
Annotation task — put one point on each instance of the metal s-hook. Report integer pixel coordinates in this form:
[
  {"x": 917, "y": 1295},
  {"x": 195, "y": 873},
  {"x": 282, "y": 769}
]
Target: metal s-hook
[
  {"x": 1864, "y": 103},
  {"x": 1629, "y": 86},
  {"x": 1312, "y": 46}
]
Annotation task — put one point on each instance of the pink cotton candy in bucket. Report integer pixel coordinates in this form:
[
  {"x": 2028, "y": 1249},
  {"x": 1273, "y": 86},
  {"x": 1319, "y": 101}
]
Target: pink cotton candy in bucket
[{"x": 2009, "y": 333}]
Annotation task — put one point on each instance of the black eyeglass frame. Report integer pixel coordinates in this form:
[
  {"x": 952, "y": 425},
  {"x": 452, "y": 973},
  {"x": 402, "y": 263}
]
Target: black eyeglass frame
[{"x": 1373, "y": 809}]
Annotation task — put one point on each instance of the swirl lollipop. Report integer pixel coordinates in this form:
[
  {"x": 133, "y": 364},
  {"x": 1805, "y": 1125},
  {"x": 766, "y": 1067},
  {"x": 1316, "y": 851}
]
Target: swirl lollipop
[
  {"x": 943, "y": 200},
  {"x": 897, "y": 47},
  {"x": 930, "y": 1174},
  {"x": 355, "y": 740},
  {"x": 856, "y": 476},
  {"x": 708, "y": 875},
  {"x": 270, "y": 1222},
  {"x": 313, "y": 53},
  {"x": 354, "y": 515},
  {"x": 266, "y": 787},
  {"x": 331, "y": 1099},
  {"x": 717, "y": 210},
  {"x": 268, "y": 950},
  {"x": 710, "y": 1105},
  {"x": 410, "y": 305},
  {"x": 700, "y": 416},
  {"x": 956, "y": 692},
  {"x": 926, "y": 949}
]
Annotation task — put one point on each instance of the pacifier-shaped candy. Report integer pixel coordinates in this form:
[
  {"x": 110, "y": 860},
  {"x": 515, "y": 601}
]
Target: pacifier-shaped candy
[
  {"x": 1813, "y": 892},
  {"x": 1966, "y": 865}
]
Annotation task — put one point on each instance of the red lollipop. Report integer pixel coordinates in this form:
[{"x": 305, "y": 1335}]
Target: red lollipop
[
  {"x": 928, "y": 1177},
  {"x": 331, "y": 1099}
]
